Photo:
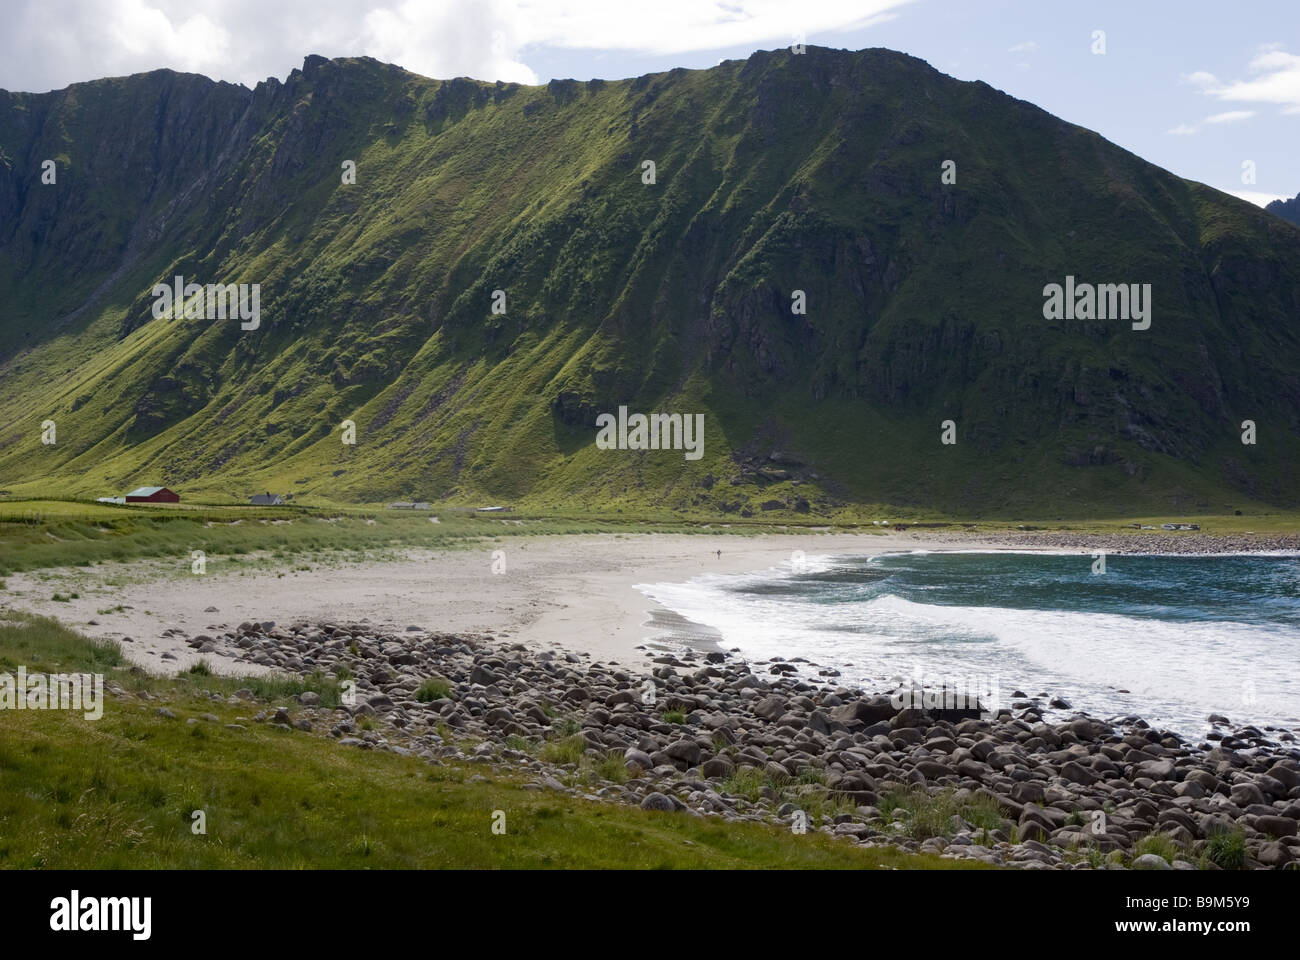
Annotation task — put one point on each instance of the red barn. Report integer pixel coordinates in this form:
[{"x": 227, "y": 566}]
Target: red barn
[{"x": 152, "y": 495}]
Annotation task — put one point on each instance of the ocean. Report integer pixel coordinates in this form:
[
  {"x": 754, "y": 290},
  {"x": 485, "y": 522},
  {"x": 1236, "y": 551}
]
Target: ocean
[{"x": 1171, "y": 639}]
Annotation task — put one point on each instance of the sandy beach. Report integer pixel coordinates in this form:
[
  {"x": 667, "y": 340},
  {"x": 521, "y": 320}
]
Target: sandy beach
[{"x": 577, "y": 593}]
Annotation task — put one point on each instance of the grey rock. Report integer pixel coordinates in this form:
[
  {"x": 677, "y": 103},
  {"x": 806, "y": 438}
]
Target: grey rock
[
  {"x": 1244, "y": 794},
  {"x": 869, "y": 711},
  {"x": 1077, "y": 773},
  {"x": 717, "y": 768},
  {"x": 687, "y": 751},
  {"x": 1275, "y": 826},
  {"x": 637, "y": 758},
  {"x": 484, "y": 676},
  {"x": 1149, "y": 861}
]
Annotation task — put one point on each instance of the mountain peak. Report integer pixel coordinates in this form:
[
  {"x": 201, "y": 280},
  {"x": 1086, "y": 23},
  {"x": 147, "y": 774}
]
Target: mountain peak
[{"x": 1288, "y": 210}]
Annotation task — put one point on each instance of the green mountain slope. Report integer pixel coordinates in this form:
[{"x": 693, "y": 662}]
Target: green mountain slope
[{"x": 819, "y": 173}]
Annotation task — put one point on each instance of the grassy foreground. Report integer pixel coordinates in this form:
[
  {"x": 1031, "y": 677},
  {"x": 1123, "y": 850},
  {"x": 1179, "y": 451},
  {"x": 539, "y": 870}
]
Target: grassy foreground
[{"x": 120, "y": 792}]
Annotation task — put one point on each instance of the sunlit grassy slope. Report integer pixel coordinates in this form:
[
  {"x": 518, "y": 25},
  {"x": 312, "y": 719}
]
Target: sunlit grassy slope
[{"x": 818, "y": 173}]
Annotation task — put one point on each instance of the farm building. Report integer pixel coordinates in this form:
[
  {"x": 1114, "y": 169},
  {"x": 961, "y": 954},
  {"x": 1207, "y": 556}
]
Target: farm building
[
  {"x": 152, "y": 495},
  {"x": 265, "y": 500}
]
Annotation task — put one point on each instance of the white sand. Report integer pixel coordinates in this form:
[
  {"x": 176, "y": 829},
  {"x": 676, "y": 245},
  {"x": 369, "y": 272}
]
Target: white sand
[{"x": 572, "y": 592}]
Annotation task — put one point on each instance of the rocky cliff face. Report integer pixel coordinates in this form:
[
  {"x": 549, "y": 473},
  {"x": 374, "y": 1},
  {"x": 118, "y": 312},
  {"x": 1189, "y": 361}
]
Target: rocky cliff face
[
  {"x": 814, "y": 179},
  {"x": 1288, "y": 210}
]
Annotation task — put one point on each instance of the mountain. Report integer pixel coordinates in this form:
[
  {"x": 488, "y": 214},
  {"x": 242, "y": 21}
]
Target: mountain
[
  {"x": 819, "y": 173},
  {"x": 1286, "y": 209}
]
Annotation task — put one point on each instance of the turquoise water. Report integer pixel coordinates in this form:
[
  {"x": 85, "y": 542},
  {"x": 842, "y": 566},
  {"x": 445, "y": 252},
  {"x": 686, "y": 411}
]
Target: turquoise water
[{"x": 1168, "y": 638}]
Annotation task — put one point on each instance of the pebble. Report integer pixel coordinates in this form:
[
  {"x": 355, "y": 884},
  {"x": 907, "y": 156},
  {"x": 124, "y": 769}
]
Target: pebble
[{"x": 756, "y": 742}]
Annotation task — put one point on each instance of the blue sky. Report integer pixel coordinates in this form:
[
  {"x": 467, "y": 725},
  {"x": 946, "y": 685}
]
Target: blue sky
[{"x": 1198, "y": 87}]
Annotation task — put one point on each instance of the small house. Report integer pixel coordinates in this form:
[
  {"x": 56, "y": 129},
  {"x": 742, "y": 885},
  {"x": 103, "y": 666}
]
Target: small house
[
  {"x": 265, "y": 500},
  {"x": 152, "y": 495}
]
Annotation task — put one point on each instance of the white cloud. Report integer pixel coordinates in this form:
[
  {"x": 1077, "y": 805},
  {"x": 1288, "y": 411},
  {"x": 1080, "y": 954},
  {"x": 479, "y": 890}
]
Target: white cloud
[
  {"x": 1276, "y": 81},
  {"x": 441, "y": 40},
  {"x": 136, "y": 28},
  {"x": 1029, "y": 46},
  {"x": 1232, "y": 116},
  {"x": 50, "y": 43},
  {"x": 680, "y": 26}
]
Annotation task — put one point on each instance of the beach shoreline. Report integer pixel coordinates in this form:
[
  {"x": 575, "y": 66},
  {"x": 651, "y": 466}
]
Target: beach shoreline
[{"x": 574, "y": 592}]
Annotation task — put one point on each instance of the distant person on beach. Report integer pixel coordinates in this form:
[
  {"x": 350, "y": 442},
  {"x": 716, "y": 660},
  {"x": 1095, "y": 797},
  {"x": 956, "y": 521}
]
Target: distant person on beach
[{"x": 719, "y": 554}]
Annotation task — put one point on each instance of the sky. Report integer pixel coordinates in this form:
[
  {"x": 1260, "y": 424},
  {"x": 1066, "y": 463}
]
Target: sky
[{"x": 1208, "y": 90}]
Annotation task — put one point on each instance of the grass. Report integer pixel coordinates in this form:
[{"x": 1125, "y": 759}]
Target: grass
[
  {"x": 930, "y": 815},
  {"x": 569, "y": 749},
  {"x": 44, "y": 646},
  {"x": 119, "y": 793},
  {"x": 1160, "y": 844},
  {"x": 612, "y": 767},
  {"x": 273, "y": 688},
  {"x": 565, "y": 726},
  {"x": 434, "y": 688},
  {"x": 1226, "y": 849},
  {"x": 819, "y": 802},
  {"x": 746, "y": 782}
]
